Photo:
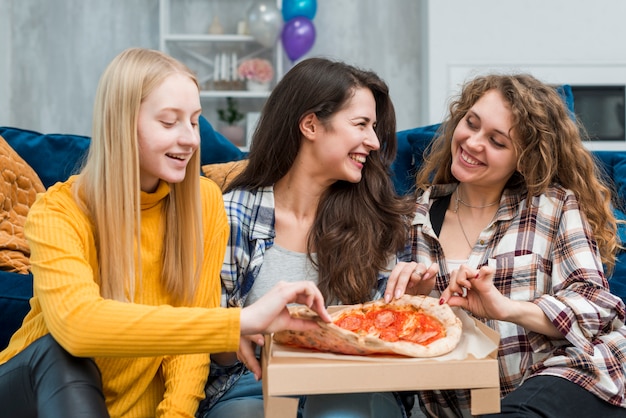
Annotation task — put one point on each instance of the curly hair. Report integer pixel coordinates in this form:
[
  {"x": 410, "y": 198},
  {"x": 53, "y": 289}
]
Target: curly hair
[
  {"x": 549, "y": 146},
  {"x": 357, "y": 226}
]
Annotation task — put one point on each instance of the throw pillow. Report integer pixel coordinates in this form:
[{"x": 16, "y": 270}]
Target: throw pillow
[
  {"x": 223, "y": 173},
  {"x": 19, "y": 185},
  {"x": 54, "y": 157}
]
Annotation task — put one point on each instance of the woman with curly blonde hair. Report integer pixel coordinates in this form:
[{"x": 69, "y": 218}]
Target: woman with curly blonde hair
[{"x": 513, "y": 209}]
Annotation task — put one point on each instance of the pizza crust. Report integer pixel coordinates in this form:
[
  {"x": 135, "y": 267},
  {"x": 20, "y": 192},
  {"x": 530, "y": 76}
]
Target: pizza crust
[{"x": 329, "y": 337}]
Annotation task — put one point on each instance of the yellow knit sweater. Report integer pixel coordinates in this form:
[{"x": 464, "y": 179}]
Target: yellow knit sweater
[{"x": 153, "y": 357}]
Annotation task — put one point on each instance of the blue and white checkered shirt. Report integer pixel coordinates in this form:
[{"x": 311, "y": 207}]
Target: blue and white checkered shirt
[{"x": 251, "y": 220}]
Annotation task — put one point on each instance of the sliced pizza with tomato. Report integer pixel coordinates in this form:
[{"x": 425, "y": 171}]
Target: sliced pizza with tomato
[{"x": 415, "y": 326}]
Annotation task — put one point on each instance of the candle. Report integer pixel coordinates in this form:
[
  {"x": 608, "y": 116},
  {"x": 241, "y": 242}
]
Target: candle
[
  {"x": 216, "y": 68},
  {"x": 223, "y": 71}
]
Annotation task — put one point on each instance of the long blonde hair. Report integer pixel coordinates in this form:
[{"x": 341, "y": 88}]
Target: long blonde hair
[
  {"x": 550, "y": 149},
  {"x": 109, "y": 185}
]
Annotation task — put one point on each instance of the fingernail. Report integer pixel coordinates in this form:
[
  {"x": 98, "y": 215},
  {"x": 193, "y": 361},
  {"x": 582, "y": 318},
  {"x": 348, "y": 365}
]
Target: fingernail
[
  {"x": 398, "y": 293},
  {"x": 442, "y": 301},
  {"x": 425, "y": 276}
]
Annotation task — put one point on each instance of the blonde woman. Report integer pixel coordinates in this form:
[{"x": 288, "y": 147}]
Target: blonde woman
[{"x": 126, "y": 258}]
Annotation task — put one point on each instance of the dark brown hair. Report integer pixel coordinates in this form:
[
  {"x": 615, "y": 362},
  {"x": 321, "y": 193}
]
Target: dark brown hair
[{"x": 358, "y": 226}]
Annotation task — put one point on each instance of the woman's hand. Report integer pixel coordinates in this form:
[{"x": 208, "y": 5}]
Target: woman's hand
[
  {"x": 247, "y": 355},
  {"x": 474, "y": 291},
  {"x": 270, "y": 314},
  {"x": 485, "y": 301},
  {"x": 412, "y": 278}
]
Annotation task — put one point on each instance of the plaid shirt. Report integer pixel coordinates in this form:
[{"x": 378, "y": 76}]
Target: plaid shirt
[
  {"x": 544, "y": 252},
  {"x": 251, "y": 220}
]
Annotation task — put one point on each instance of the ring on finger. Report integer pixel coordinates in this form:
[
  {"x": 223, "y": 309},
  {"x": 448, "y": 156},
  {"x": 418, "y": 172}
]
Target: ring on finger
[{"x": 417, "y": 271}]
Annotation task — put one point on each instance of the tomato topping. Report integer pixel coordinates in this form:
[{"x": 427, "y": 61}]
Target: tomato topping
[
  {"x": 383, "y": 318},
  {"x": 351, "y": 323},
  {"x": 394, "y": 325}
]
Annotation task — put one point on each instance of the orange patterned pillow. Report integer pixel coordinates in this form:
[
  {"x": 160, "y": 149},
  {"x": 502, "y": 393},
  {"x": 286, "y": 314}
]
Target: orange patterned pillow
[
  {"x": 223, "y": 173},
  {"x": 19, "y": 185}
]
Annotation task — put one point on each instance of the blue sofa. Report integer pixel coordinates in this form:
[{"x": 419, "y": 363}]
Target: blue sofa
[{"x": 54, "y": 157}]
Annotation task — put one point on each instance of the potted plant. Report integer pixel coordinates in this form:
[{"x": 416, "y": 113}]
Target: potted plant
[
  {"x": 230, "y": 118},
  {"x": 257, "y": 72}
]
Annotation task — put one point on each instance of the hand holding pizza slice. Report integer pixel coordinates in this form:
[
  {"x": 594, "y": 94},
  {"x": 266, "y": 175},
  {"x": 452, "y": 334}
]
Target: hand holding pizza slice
[{"x": 414, "y": 326}]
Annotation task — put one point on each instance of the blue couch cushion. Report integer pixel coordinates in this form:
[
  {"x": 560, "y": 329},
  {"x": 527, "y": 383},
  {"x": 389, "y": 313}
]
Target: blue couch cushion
[
  {"x": 53, "y": 156},
  {"x": 15, "y": 292},
  {"x": 403, "y": 166},
  {"x": 411, "y": 146},
  {"x": 613, "y": 165},
  {"x": 214, "y": 147},
  {"x": 617, "y": 281}
]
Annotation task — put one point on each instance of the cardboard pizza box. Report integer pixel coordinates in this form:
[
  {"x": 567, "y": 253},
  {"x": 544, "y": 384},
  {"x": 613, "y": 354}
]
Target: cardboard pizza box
[{"x": 285, "y": 377}]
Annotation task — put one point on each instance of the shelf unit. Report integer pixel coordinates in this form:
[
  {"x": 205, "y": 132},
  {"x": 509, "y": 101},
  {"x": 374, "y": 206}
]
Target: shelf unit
[{"x": 184, "y": 34}]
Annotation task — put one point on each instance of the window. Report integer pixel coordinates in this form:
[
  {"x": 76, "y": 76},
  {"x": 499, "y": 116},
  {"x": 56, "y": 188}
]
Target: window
[{"x": 601, "y": 111}]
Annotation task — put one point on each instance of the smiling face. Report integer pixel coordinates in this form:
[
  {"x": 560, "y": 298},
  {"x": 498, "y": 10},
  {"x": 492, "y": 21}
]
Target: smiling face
[
  {"x": 347, "y": 139},
  {"x": 167, "y": 129},
  {"x": 483, "y": 153}
]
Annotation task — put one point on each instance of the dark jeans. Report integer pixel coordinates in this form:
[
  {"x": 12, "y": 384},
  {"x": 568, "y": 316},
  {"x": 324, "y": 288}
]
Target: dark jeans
[
  {"x": 44, "y": 380},
  {"x": 555, "y": 397}
]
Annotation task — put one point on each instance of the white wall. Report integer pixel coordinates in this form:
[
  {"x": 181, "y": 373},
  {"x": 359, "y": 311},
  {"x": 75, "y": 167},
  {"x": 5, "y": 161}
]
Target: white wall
[
  {"x": 383, "y": 36},
  {"x": 558, "y": 41},
  {"x": 54, "y": 51}
]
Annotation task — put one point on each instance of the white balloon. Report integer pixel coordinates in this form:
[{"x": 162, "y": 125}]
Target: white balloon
[{"x": 264, "y": 22}]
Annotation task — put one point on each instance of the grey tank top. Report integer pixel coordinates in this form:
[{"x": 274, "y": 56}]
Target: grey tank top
[{"x": 280, "y": 264}]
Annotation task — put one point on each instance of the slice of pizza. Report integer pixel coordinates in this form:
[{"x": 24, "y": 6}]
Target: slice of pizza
[{"x": 414, "y": 326}]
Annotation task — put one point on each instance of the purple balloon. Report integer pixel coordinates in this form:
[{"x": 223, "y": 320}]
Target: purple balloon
[{"x": 298, "y": 36}]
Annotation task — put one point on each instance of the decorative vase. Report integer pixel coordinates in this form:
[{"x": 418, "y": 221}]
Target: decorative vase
[
  {"x": 216, "y": 27},
  {"x": 252, "y": 85},
  {"x": 234, "y": 133}
]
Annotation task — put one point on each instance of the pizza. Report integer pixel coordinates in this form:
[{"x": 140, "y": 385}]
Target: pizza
[{"x": 414, "y": 326}]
